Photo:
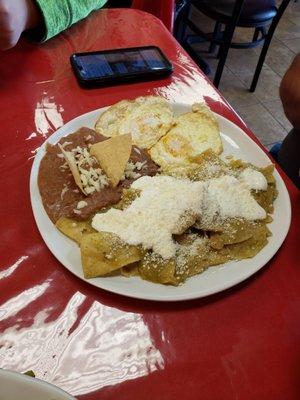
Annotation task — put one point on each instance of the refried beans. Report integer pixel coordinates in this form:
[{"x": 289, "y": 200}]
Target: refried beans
[{"x": 59, "y": 192}]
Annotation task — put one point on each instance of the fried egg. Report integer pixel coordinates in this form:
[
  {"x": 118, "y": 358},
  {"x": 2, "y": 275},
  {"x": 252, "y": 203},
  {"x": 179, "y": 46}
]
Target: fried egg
[
  {"x": 108, "y": 124},
  {"x": 151, "y": 119},
  {"x": 192, "y": 134},
  {"x": 150, "y": 100},
  {"x": 148, "y": 122}
]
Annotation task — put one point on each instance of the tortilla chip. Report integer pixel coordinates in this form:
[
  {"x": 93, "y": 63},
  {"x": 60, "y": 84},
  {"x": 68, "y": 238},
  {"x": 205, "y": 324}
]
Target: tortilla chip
[
  {"x": 155, "y": 269},
  {"x": 70, "y": 159},
  {"x": 103, "y": 253},
  {"x": 74, "y": 229},
  {"x": 187, "y": 219},
  {"x": 130, "y": 270},
  {"x": 113, "y": 155}
]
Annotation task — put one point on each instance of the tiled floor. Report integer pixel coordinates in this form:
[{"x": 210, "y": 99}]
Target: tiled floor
[{"x": 261, "y": 110}]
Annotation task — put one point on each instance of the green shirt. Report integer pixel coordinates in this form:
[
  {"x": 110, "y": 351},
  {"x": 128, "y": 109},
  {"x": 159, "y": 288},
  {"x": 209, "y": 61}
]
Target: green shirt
[{"x": 58, "y": 15}]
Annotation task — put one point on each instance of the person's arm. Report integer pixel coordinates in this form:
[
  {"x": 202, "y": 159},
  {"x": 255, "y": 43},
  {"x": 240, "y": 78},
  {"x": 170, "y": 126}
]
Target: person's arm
[
  {"x": 290, "y": 93},
  {"x": 16, "y": 16},
  {"x": 59, "y": 15},
  {"x": 42, "y": 18}
]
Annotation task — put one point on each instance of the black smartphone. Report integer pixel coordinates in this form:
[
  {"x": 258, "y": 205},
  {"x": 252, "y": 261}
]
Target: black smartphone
[{"x": 113, "y": 67}]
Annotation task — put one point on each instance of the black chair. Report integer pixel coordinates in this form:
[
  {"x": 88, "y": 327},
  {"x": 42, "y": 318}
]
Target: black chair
[{"x": 261, "y": 15}]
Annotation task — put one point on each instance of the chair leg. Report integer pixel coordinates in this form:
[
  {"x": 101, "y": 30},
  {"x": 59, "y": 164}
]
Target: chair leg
[
  {"x": 196, "y": 57},
  {"x": 179, "y": 26},
  {"x": 216, "y": 33},
  {"x": 227, "y": 39},
  {"x": 267, "y": 42},
  {"x": 219, "y": 53},
  {"x": 256, "y": 34},
  {"x": 260, "y": 63},
  {"x": 221, "y": 64}
]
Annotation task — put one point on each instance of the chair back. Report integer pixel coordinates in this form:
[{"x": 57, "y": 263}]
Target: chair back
[
  {"x": 238, "y": 7},
  {"x": 163, "y": 9}
]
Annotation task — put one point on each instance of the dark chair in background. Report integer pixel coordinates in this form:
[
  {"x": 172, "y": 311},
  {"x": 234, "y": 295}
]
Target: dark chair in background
[
  {"x": 163, "y": 9},
  {"x": 261, "y": 15}
]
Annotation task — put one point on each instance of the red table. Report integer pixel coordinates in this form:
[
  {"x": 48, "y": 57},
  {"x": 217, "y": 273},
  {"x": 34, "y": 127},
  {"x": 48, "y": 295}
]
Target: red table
[{"x": 243, "y": 343}]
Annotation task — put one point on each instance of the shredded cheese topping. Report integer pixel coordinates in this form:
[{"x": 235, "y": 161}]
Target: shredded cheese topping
[
  {"x": 93, "y": 179},
  {"x": 81, "y": 204},
  {"x": 228, "y": 197},
  {"x": 64, "y": 191},
  {"x": 253, "y": 179},
  {"x": 131, "y": 168},
  {"x": 66, "y": 143},
  {"x": 154, "y": 217}
]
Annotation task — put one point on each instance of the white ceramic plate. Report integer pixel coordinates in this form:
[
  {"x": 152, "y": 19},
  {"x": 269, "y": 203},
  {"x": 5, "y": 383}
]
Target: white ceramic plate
[
  {"x": 213, "y": 280},
  {"x": 14, "y": 385}
]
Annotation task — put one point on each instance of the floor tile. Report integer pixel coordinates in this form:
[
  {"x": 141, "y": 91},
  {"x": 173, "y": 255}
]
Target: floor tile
[
  {"x": 279, "y": 57},
  {"x": 235, "y": 92},
  {"x": 276, "y": 110},
  {"x": 262, "y": 124},
  {"x": 292, "y": 44},
  {"x": 293, "y": 8},
  {"x": 243, "y": 34},
  {"x": 242, "y": 61},
  {"x": 268, "y": 85},
  {"x": 287, "y": 30},
  {"x": 295, "y": 20}
]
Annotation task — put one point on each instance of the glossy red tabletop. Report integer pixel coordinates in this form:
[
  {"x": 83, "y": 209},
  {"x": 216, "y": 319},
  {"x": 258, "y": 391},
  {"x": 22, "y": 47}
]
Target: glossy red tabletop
[{"x": 243, "y": 343}]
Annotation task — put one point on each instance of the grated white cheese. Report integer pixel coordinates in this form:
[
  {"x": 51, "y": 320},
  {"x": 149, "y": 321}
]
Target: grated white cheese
[
  {"x": 64, "y": 167},
  {"x": 64, "y": 191},
  {"x": 140, "y": 165},
  {"x": 93, "y": 179},
  {"x": 253, "y": 179},
  {"x": 228, "y": 197},
  {"x": 81, "y": 204},
  {"x": 183, "y": 252},
  {"x": 153, "y": 217},
  {"x": 130, "y": 168},
  {"x": 65, "y": 144}
]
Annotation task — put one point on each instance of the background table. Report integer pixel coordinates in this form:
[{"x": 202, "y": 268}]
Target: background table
[{"x": 243, "y": 343}]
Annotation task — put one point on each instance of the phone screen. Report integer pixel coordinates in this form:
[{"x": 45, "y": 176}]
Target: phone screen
[{"x": 120, "y": 63}]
